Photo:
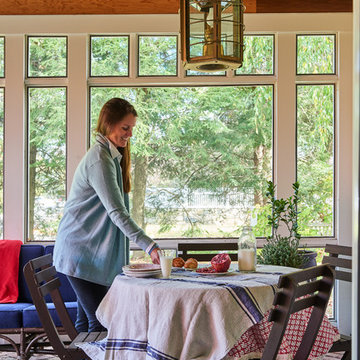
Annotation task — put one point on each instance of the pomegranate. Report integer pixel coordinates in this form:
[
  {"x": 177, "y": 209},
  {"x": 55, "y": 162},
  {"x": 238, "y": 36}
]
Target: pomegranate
[
  {"x": 221, "y": 262},
  {"x": 206, "y": 270}
]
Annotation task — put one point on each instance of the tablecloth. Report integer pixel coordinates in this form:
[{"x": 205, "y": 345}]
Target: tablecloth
[{"x": 189, "y": 316}]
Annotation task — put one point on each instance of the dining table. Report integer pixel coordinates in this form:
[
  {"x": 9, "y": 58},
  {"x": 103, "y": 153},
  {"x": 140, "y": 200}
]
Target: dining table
[{"x": 200, "y": 316}]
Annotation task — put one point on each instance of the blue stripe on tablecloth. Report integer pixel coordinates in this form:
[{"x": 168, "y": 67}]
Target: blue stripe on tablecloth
[
  {"x": 247, "y": 300},
  {"x": 240, "y": 294},
  {"x": 136, "y": 345}
]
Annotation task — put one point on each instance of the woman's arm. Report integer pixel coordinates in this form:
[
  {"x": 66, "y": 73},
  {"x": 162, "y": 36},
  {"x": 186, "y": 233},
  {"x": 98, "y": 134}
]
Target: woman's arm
[{"x": 102, "y": 177}]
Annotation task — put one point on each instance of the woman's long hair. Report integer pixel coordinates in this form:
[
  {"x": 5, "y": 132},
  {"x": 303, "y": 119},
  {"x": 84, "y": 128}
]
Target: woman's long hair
[{"x": 112, "y": 113}]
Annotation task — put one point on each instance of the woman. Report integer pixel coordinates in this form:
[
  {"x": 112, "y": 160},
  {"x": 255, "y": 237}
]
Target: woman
[{"x": 91, "y": 247}]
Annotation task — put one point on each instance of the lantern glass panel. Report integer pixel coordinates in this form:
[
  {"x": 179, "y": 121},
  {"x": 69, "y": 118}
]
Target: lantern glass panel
[
  {"x": 231, "y": 28},
  {"x": 201, "y": 27},
  {"x": 227, "y": 38}
]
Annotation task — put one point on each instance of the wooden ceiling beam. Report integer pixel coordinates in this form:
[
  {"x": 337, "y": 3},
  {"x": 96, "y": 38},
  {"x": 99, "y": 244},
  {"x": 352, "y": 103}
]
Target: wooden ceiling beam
[
  {"x": 77, "y": 7},
  {"x": 303, "y": 6}
]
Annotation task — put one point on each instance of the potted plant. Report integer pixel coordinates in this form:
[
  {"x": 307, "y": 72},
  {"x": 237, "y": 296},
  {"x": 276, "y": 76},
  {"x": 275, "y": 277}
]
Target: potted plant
[{"x": 283, "y": 249}]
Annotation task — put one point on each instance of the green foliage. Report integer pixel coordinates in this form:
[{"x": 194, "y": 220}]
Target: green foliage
[
  {"x": 316, "y": 54},
  {"x": 315, "y": 158},
  {"x": 209, "y": 139},
  {"x": 47, "y": 56},
  {"x": 282, "y": 250},
  {"x": 157, "y": 55},
  {"x": 47, "y": 160},
  {"x": 2, "y": 56},
  {"x": 109, "y": 56},
  {"x": 258, "y": 55}
]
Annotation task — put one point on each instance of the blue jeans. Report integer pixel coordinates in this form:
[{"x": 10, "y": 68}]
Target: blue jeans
[{"x": 89, "y": 296}]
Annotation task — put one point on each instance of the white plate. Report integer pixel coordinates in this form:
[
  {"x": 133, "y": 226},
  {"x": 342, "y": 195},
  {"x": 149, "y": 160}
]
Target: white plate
[
  {"x": 142, "y": 274},
  {"x": 216, "y": 273},
  {"x": 141, "y": 267}
]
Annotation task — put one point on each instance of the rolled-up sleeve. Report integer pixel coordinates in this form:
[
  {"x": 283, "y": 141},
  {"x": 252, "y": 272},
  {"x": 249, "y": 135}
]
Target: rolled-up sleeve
[{"x": 103, "y": 179}]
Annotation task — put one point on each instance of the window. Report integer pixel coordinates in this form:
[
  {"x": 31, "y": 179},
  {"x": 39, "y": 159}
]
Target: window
[
  {"x": 109, "y": 56},
  {"x": 315, "y": 158},
  {"x": 157, "y": 55},
  {"x": 258, "y": 55},
  {"x": 199, "y": 154},
  {"x": 315, "y": 54},
  {"x": 47, "y": 56},
  {"x": 46, "y": 161}
]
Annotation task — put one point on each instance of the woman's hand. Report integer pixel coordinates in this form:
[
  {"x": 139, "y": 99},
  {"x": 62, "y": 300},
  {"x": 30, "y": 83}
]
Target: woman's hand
[{"x": 155, "y": 256}]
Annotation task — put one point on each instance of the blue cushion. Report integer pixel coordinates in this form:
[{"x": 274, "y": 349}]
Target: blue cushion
[
  {"x": 27, "y": 252},
  {"x": 11, "y": 315},
  {"x": 31, "y": 319},
  {"x": 66, "y": 289}
]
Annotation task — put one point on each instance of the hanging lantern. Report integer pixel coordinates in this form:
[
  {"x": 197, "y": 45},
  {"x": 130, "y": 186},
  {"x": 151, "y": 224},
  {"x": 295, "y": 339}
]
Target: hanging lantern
[{"x": 212, "y": 34}]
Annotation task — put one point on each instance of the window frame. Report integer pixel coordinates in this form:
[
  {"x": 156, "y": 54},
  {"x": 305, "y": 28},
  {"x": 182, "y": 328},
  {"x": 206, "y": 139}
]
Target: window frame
[
  {"x": 90, "y": 53},
  {"x": 28, "y": 55},
  {"x": 26, "y": 156},
  {"x": 176, "y": 54},
  {"x": 335, "y": 54},
  {"x": 334, "y": 216}
]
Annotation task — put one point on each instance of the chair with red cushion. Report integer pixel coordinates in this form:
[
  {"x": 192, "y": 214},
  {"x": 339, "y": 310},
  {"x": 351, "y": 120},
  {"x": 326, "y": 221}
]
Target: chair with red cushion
[{"x": 297, "y": 291}]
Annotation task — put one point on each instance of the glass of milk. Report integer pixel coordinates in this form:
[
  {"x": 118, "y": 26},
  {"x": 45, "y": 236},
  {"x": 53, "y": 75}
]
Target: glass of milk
[
  {"x": 247, "y": 250},
  {"x": 166, "y": 259}
]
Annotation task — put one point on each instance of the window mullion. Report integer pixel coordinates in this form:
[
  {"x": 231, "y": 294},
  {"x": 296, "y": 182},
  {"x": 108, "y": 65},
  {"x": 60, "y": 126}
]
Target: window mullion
[
  {"x": 77, "y": 139},
  {"x": 285, "y": 116}
]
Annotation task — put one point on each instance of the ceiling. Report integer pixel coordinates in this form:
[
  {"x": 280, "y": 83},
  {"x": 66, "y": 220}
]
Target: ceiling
[{"x": 76, "y": 7}]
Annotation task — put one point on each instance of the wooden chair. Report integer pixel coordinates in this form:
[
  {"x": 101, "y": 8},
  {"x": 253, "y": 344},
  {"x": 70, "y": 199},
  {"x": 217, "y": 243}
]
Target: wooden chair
[
  {"x": 340, "y": 257},
  {"x": 41, "y": 279},
  {"x": 184, "y": 248},
  {"x": 297, "y": 291}
]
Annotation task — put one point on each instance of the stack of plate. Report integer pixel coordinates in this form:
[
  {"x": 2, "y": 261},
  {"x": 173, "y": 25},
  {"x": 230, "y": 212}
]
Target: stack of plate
[{"x": 142, "y": 270}]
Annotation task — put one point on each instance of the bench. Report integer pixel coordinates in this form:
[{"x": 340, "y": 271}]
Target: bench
[{"x": 21, "y": 318}]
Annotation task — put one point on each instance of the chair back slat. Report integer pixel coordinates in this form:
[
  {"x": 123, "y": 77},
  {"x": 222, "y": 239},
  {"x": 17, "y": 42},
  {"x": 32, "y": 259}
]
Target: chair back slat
[
  {"x": 297, "y": 291},
  {"x": 301, "y": 276},
  {"x": 185, "y": 248},
  {"x": 41, "y": 262},
  {"x": 307, "y": 288},
  {"x": 46, "y": 274},
  {"x": 338, "y": 262},
  {"x": 343, "y": 275},
  {"x": 49, "y": 284},
  {"x": 338, "y": 250},
  {"x": 304, "y": 303},
  {"x": 339, "y": 258}
]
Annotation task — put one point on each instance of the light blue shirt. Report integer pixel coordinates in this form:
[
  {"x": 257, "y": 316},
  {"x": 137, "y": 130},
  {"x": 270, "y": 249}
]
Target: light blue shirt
[{"x": 91, "y": 242}]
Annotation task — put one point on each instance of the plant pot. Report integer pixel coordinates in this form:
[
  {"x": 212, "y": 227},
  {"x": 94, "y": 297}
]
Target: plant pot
[{"x": 309, "y": 258}]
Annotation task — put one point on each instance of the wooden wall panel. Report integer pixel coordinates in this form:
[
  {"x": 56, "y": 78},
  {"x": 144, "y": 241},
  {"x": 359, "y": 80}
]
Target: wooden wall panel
[
  {"x": 74, "y": 7},
  {"x": 302, "y": 6}
]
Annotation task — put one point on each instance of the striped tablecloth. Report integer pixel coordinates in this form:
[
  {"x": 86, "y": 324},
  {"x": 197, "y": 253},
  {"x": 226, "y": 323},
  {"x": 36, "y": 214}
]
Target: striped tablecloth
[{"x": 189, "y": 316}]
